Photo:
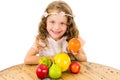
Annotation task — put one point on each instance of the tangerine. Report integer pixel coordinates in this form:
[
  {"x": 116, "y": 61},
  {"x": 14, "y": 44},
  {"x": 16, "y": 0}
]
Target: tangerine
[{"x": 74, "y": 44}]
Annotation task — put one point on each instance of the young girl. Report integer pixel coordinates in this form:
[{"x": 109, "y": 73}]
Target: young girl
[{"x": 56, "y": 28}]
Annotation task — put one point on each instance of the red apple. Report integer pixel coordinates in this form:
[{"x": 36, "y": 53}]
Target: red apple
[
  {"x": 74, "y": 67},
  {"x": 42, "y": 71}
]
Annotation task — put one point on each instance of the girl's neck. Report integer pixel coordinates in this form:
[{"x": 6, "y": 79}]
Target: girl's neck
[
  {"x": 58, "y": 40},
  {"x": 55, "y": 39}
]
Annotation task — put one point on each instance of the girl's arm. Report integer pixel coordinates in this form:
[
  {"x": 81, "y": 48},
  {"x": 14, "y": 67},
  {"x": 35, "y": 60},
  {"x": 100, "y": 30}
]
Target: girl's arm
[
  {"x": 80, "y": 55},
  {"x": 31, "y": 57}
]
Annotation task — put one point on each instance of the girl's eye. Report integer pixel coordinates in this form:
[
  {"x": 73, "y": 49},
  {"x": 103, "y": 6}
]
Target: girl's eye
[
  {"x": 63, "y": 23},
  {"x": 52, "y": 22}
]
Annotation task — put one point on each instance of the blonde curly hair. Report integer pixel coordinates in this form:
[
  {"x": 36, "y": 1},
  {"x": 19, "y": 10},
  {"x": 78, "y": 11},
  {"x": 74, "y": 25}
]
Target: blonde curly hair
[{"x": 72, "y": 30}]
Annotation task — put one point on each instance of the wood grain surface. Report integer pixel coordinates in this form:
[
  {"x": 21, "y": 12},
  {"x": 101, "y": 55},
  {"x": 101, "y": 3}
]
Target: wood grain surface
[{"x": 89, "y": 71}]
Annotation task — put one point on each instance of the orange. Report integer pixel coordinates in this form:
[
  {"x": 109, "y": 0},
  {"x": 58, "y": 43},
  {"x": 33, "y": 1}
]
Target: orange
[{"x": 74, "y": 44}]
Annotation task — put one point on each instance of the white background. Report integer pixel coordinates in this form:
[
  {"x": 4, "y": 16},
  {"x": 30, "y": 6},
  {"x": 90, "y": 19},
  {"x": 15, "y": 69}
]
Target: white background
[{"x": 97, "y": 20}]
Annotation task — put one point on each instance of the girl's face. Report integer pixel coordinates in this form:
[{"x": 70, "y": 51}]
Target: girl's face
[{"x": 56, "y": 26}]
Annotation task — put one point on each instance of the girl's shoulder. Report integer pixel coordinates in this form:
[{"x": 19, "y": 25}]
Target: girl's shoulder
[
  {"x": 82, "y": 41},
  {"x": 36, "y": 43}
]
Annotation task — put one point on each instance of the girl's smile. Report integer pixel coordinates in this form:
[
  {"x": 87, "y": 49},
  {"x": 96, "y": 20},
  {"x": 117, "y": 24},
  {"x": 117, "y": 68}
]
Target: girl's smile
[
  {"x": 56, "y": 26},
  {"x": 56, "y": 32}
]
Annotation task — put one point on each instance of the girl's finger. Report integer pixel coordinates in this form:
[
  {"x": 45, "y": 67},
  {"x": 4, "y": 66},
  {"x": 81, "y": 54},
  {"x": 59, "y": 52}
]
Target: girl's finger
[{"x": 74, "y": 53}]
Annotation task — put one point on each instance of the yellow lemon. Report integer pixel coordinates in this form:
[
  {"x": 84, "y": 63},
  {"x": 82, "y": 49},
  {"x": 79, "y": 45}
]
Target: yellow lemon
[{"x": 62, "y": 60}]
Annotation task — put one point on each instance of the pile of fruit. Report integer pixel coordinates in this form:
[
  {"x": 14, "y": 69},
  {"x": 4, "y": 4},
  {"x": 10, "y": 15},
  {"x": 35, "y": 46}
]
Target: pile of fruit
[{"x": 61, "y": 63}]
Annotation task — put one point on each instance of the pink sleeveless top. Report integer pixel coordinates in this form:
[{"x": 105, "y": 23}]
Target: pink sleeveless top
[{"x": 54, "y": 47}]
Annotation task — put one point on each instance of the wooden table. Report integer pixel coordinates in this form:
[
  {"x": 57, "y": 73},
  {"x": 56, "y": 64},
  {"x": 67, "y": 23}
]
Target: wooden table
[{"x": 89, "y": 71}]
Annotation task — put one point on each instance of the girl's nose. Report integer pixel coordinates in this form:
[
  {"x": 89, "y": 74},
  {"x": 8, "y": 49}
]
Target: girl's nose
[{"x": 57, "y": 26}]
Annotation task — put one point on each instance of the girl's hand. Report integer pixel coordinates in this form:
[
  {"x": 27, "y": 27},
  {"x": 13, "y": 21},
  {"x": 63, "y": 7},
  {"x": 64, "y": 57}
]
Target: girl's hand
[
  {"x": 73, "y": 52},
  {"x": 79, "y": 55}
]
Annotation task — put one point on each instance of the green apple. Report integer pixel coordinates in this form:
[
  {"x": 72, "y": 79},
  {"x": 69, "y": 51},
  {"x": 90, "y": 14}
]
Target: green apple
[{"x": 45, "y": 60}]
